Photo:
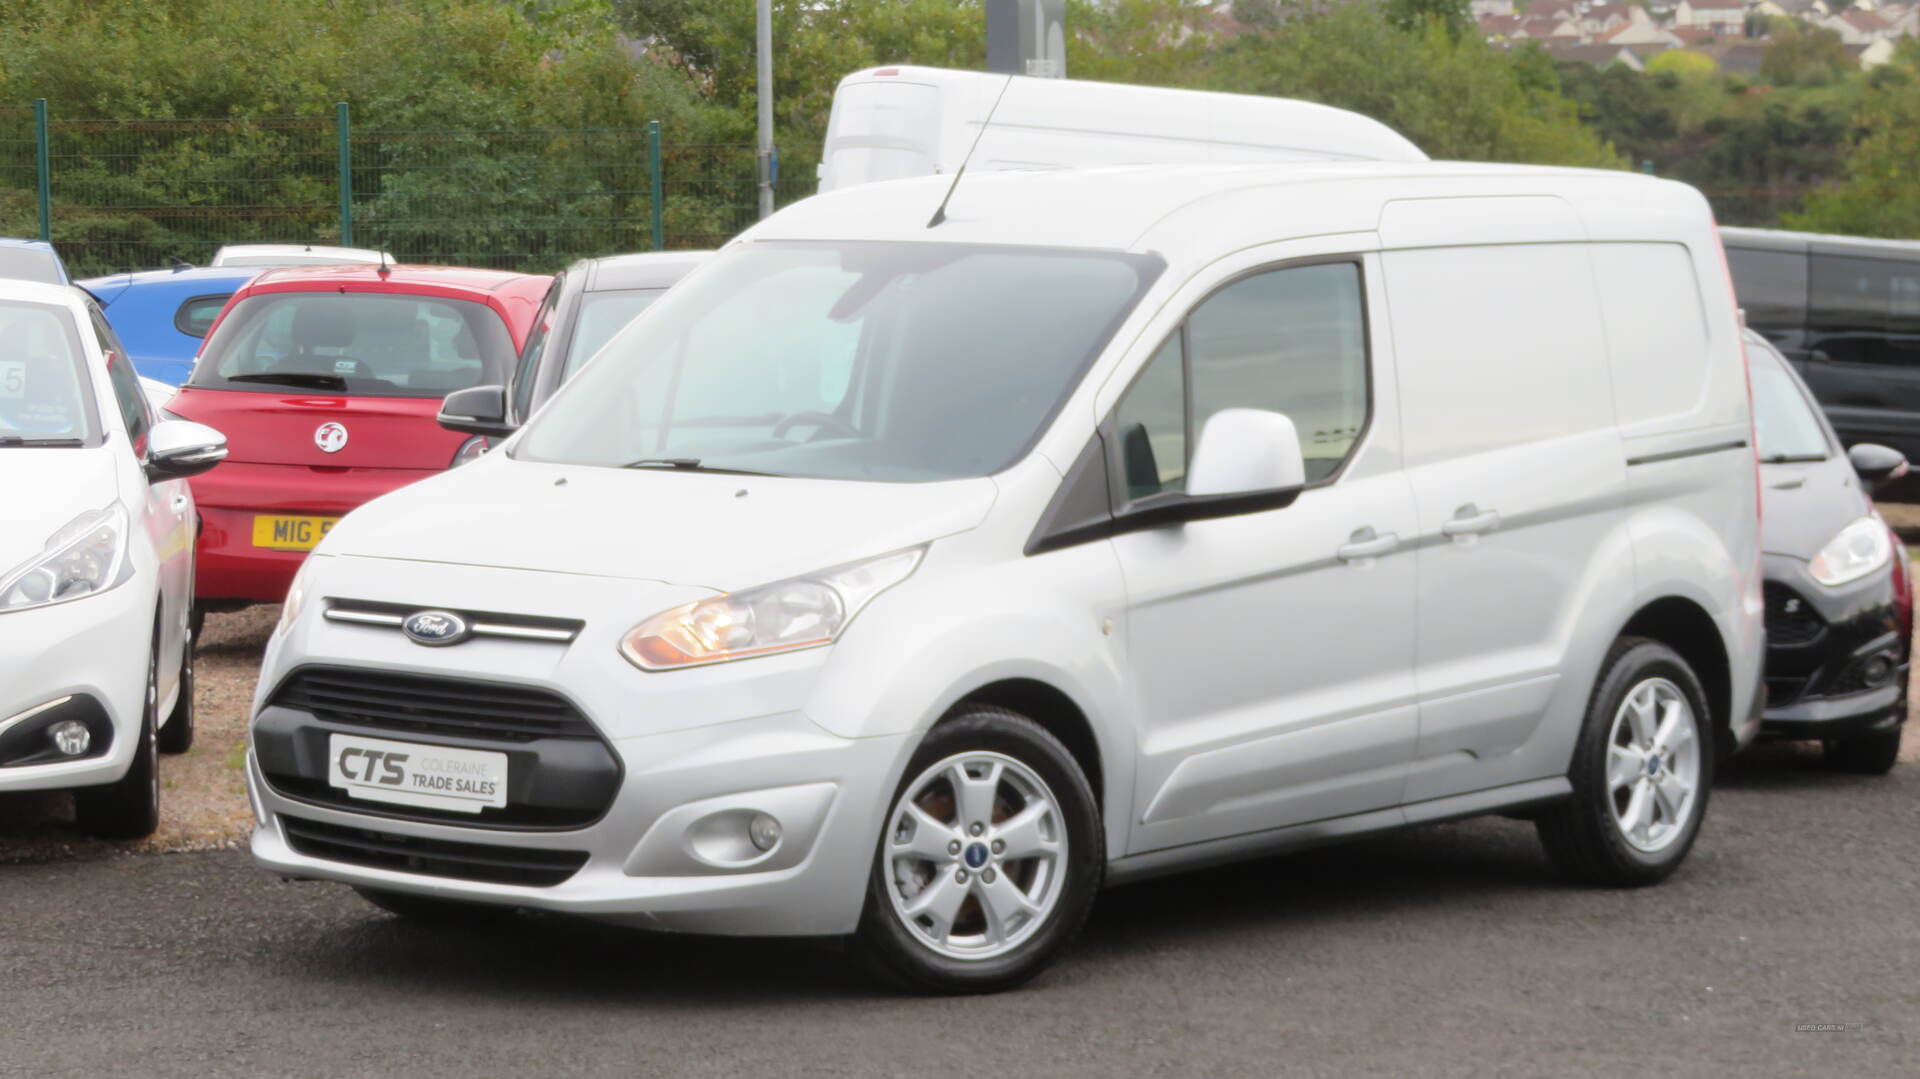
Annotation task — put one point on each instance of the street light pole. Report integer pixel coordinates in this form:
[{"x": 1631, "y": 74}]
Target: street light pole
[{"x": 764, "y": 53}]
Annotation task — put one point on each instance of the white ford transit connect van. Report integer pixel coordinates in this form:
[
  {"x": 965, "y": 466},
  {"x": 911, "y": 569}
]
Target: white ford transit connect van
[{"x": 909, "y": 583}]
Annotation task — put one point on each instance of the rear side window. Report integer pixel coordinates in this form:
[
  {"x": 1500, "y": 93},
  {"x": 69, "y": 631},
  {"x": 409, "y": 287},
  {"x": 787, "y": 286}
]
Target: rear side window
[
  {"x": 1771, "y": 287},
  {"x": 356, "y": 343},
  {"x": 195, "y": 317},
  {"x": 1864, "y": 310}
]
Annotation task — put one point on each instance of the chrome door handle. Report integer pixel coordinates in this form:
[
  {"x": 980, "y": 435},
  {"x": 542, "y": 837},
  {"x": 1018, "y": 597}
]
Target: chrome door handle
[
  {"x": 1471, "y": 520},
  {"x": 1365, "y": 544}
]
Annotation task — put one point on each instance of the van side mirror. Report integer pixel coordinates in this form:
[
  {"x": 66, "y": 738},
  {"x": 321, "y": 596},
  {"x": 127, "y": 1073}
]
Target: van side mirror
[
  {"x": 1877, "y": 465},
  {"x": 1244, "y": 451},
  {"x": 177, "y": 449},
  {"x": 478, "y": 410}
]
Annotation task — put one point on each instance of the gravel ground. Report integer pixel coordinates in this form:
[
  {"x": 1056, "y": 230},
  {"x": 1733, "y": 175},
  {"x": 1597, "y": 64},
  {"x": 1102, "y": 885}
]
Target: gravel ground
[{"x": 203, "y": 802}]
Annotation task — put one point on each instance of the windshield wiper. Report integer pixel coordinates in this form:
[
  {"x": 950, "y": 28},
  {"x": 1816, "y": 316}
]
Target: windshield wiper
[
  {"x": 1792, "y": 458},
  {"x": 36, "y": 443},
  {"x": 303, "y": 379},
  {"x": 689, "y": 464}
]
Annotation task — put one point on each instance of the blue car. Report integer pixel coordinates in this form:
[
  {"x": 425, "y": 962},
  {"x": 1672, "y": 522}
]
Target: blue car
[
  {"x": 163, "y": 315},
  {"x": 32, "y": 260}
]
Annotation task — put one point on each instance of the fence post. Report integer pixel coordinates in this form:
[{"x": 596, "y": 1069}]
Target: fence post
[
  {"x": 44, "y": 166},
  {"x": 342, "y": 122},
  {"x": 653, "y": 180}
]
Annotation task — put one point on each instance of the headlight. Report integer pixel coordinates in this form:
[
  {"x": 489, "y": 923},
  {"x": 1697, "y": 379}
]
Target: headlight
[
  {"x": 296, "y": 595},
  {"x": 804, "y": 612},
  {"x": 1858, "y": 550},
  {"x": 83, "y": 558}
]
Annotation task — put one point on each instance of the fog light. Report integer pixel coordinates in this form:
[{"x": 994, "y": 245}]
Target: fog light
[
  {"x": 1876, "y": 671},
  {"x": 71, "y": 737},
  {"x": 764, "y": 831}
]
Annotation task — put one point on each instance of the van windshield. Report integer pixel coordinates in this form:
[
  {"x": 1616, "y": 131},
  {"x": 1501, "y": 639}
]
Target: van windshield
[
  {"x": 901, "y": 362},
  {"x": 355, "y": 343}
]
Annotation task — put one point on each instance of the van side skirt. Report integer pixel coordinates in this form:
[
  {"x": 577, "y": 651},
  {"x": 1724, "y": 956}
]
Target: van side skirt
[{"x": 1316, "y": 833}]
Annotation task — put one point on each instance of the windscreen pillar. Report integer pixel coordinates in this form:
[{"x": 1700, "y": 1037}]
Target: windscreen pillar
[{"x": 1027, "y": 37}]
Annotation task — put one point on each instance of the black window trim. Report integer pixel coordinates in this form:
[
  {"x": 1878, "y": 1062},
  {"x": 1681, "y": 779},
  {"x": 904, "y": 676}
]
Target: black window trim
[
  {"x": 179, "y": 313},
  {"x": 1060, "y": 527}
]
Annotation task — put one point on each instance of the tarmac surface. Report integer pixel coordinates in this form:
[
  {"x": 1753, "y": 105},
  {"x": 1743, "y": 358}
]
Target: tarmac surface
[{"x": 1447, "y": 950}]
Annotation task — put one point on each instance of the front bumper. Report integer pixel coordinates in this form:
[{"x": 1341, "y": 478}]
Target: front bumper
[
  {"x": 652, "y": 859},
  {"x": 229, "y": 566},
  {"x": 665, "y": 847},
  {"x": 1836, "y": 662},
  {"x": 93, "y": 650}
]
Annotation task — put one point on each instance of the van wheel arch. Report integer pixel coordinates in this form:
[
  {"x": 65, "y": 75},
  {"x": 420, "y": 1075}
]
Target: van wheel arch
[
  {"x": 1687, "y": 628},
  {"x": 1053, "y": 710}
]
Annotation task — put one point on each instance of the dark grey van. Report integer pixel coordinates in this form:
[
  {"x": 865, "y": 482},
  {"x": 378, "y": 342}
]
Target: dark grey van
[{"x": 1846, "y": 312}]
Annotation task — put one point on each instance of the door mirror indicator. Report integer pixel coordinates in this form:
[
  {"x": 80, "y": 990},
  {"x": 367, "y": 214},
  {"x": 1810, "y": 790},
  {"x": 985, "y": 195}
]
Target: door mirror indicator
[
  {"x": 1877, "y": 465},
  {"x": 177, "y": 449},
  {"x": 480, "y": 410}
]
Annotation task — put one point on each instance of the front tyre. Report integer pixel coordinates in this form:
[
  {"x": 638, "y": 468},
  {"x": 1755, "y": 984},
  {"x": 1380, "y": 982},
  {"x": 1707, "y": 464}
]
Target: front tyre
[
  {"x": 1641, "y": 771},
  {"x": 176, "y": 734},
  {"x": 990, "y": 856},
  {"x": 130, "y": 807}
]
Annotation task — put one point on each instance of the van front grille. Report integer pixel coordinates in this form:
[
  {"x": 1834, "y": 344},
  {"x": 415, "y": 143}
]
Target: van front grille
[{"x": 424, "y": 705}]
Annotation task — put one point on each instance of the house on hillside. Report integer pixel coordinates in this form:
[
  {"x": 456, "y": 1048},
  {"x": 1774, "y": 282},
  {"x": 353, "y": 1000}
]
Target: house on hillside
[
  {"x": 1600, "y": 56},
  {"x": 1727, "y": 18},
  {"x": 1551, "y": 9},
  {"x": 1547, "y": 28},
  {"x": 1637, "y": 34},
  {"x": 1481, "y": 8},
  {"x": 1857, "y": 27},
  {"x": 1805, "y": 10}
]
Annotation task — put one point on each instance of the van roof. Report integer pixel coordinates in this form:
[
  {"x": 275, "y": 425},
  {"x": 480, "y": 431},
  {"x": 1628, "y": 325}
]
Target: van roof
[{"x": 1174, "y": 208}]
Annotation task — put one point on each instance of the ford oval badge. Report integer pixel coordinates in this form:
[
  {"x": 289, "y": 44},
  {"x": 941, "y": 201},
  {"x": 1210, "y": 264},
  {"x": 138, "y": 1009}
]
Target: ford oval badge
[{"x": 436, "y": 628}]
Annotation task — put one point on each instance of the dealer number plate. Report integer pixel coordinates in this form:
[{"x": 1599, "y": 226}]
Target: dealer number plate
[{"x": 405, "y": 773}]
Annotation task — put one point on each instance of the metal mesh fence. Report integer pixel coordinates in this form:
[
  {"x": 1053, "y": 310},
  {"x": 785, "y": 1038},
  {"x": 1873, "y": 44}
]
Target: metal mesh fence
[
  {"x": 135, "y": 194},
  {"x": 19, "y": 176},
  {"x": 129, "y": 194}
]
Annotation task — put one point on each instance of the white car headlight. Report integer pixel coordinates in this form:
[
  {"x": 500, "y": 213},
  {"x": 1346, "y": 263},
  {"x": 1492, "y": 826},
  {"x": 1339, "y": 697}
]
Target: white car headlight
[
  {"x": 1858, "y": 550},
  {"x": 296, "y": 595},
  {"x": 804, "y": 612},
  {"x": 85, "y": 557}
]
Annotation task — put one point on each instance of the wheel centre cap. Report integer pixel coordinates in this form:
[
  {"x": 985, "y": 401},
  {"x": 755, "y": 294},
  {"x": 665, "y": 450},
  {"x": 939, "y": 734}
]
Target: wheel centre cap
[
  {"x": 1653, "y": 764},
  {"x": 976, "y": 855}
]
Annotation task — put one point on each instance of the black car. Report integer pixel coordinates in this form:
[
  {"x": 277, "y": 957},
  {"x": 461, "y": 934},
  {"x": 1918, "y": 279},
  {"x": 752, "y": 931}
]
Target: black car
[
  {"x": 1839, "y": 607},
  {"x": 1845, "y": 311},
  {"x": 589, "y": 302}
]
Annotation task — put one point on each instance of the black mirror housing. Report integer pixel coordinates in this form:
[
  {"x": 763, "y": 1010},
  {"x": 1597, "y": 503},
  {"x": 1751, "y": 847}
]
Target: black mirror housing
[{"x": 478, "y": 410}]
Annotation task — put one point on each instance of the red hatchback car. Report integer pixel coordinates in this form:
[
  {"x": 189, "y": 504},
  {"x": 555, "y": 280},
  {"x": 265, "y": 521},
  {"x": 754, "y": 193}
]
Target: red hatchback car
[{"x": 326, "y": 382}]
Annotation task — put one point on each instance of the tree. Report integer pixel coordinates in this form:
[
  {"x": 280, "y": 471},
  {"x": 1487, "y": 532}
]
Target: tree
[
  {"x": 1801, "y": 55},
  {"x": 1877, "y": 195},
  {"x": 1683, "y": 64}
]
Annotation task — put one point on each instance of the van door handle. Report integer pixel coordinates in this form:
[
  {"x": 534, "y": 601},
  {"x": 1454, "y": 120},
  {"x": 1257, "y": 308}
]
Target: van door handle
[
  {"x": 1471, "y": 520},
  {"x": 1365, "y": 544}
]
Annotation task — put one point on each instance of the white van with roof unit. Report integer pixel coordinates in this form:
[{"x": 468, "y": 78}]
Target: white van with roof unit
[
  {"x": 889, "y": 123},
  {"x": 910, "y": 583}
]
